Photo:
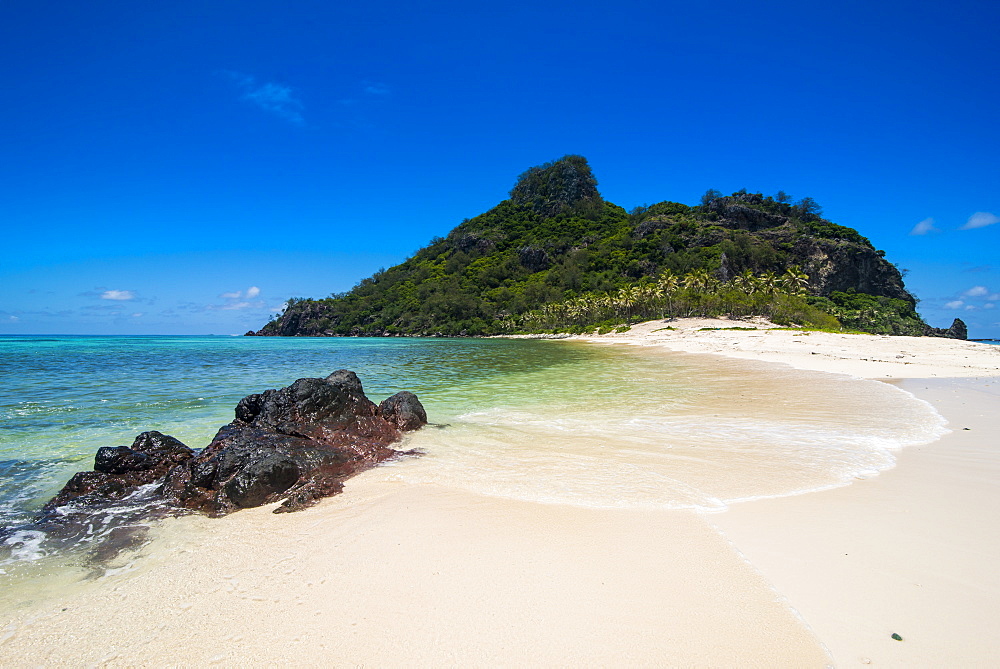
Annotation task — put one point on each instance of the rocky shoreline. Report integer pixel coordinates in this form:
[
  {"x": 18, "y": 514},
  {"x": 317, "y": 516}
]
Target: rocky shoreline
[{"x": 294, "y": 445}]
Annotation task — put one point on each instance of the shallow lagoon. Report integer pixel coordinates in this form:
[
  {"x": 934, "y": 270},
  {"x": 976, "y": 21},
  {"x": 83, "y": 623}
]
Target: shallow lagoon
[{"x": 545, "y": 421}]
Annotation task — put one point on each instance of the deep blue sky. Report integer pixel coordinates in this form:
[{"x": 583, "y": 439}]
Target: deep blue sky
[{"x": 184, "y": 167}]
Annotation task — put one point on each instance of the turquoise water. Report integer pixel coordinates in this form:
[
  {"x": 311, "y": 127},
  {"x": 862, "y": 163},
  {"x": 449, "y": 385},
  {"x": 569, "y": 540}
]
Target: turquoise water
[
  {"x": 62, "y": 398},
  {"x": 541, "y": 421}
]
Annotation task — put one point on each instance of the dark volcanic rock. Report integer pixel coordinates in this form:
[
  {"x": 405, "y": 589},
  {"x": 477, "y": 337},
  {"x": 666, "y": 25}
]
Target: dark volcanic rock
[
  {"x": 838, "y": 265},
  {"x": 120, "y": 470},
  {"x": 735, "y": 215},
  {"x": 296, "y": 444},
  {"x": 403, "y": 409},
  {"x": 958, "y": 330}
]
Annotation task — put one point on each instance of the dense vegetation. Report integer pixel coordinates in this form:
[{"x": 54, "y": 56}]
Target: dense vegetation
[{"x": 556, "y": 256}]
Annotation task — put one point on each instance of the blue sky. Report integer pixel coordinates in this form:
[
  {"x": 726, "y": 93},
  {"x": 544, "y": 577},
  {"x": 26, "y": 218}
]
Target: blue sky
[{"x": 184, "y": 167}]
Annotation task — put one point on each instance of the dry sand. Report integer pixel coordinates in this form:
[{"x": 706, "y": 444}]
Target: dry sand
[
  {"x": 395, "y": 574},
  {"x": 865, "y": 356}
]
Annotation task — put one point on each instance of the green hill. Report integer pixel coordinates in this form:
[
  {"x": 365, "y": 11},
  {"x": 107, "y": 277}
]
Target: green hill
[{"x": 557, "y": 256}]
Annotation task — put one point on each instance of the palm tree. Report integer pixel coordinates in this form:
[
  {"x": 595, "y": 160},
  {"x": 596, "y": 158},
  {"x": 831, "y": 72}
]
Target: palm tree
[
  {"x": 699, "y": 279},
  {"x": 795, "y": 281},
  {"x": 769, "y": 282},
  {"x": 668, "y": 284},
  {"x": 692, "y": 281},
  {"x": 626, "y": 300},
  {"x": 668, "y": 281},
  {"x": 746, "y": 281}
]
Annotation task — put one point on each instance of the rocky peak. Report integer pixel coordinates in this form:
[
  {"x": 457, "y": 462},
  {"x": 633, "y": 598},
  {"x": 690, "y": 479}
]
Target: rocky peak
[{"x": 566, "y": 184}]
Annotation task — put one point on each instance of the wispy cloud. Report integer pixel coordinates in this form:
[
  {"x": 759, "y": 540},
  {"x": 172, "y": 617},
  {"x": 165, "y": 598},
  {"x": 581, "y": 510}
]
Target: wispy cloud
[
  {"x": 369, "y": 89},
  {"x": 973, "y": 299},
  {"x": 118, "y": 295},
  {"x": 250, "y": 293},
  {"x": 375, "y": 88},
  {"x": 273, "y": 98},
  {"x": 923, "y": 227},
  {"x": 980, "y": 219},
  {"x": 239, "y": 299}
]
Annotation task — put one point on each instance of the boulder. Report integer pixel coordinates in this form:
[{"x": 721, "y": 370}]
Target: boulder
[
  {"x": 120, "y": 470},
  {"x": 295, "y": 444},
  {"x": 404, "y": 410}
]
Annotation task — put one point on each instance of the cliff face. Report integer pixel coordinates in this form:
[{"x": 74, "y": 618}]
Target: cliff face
[
  {"x": 833, "y": 266},
  {"x": 305, "y": 318},
  {"x": 556, "y": 239}
]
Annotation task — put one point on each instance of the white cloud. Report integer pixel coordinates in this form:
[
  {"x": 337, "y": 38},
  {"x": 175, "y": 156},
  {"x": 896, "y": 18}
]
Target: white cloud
[
  {"x": 923, "y": 227},
  {"x": 976, "y": 291},
  {"x": 139, "y": 315},
  {"x": 971, "y": 307},
  {"x": 120, "y": 295},
  {"x": 989, "y": 305},
  {"x": 954, "y": 304},
  {"x": 980, "y": 219},
  {"x": 13, "y": 319},
  {"x": 238, "y": 299},
  {"x": 250, "y": 293},
  {"x": 273, "y": 98}
]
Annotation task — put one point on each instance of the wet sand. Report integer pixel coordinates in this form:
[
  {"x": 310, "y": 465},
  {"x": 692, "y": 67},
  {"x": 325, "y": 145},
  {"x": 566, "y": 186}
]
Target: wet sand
[
  {"x": 911, "y": 552},
  {"x": 392, "y": 574}
]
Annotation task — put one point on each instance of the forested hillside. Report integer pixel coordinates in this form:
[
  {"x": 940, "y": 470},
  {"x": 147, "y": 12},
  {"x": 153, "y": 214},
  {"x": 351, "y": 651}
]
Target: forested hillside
[{"x": 557, "y": 256}]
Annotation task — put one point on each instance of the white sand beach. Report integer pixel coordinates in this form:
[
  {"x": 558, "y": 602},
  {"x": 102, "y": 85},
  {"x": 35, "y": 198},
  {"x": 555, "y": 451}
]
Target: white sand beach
[
  {"x": 396, "y": 574},
  {"x": 910, "y": 551}
]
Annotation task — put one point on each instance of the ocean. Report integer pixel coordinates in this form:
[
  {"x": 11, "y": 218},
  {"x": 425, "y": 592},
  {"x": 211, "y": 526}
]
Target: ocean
[{"x": 554, "y": 422}]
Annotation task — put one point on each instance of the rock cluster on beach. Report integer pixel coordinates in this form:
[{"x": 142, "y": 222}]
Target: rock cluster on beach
[{"x": 295, "y": 445}]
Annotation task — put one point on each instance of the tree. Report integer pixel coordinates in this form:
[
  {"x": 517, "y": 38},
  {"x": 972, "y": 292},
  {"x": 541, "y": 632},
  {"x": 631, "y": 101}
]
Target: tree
[
  {"x": 794, "y": 281},
  {"x": 747, "y": 282},
  {"x": 782, "y": 197},
  {"x": 768, "y": 283},
  {"x": 710, "y": 196},
  {"x": 808, "y": 209}
]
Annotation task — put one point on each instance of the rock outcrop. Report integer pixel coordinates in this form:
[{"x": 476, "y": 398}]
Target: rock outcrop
[
  {"x": 120, "y": 470},
  {"x": 837, "y": 265},
  {"x": 560, "y": 186},
  {"x": 958, "y": 330},
  {"x": 297, "y": 444}
]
